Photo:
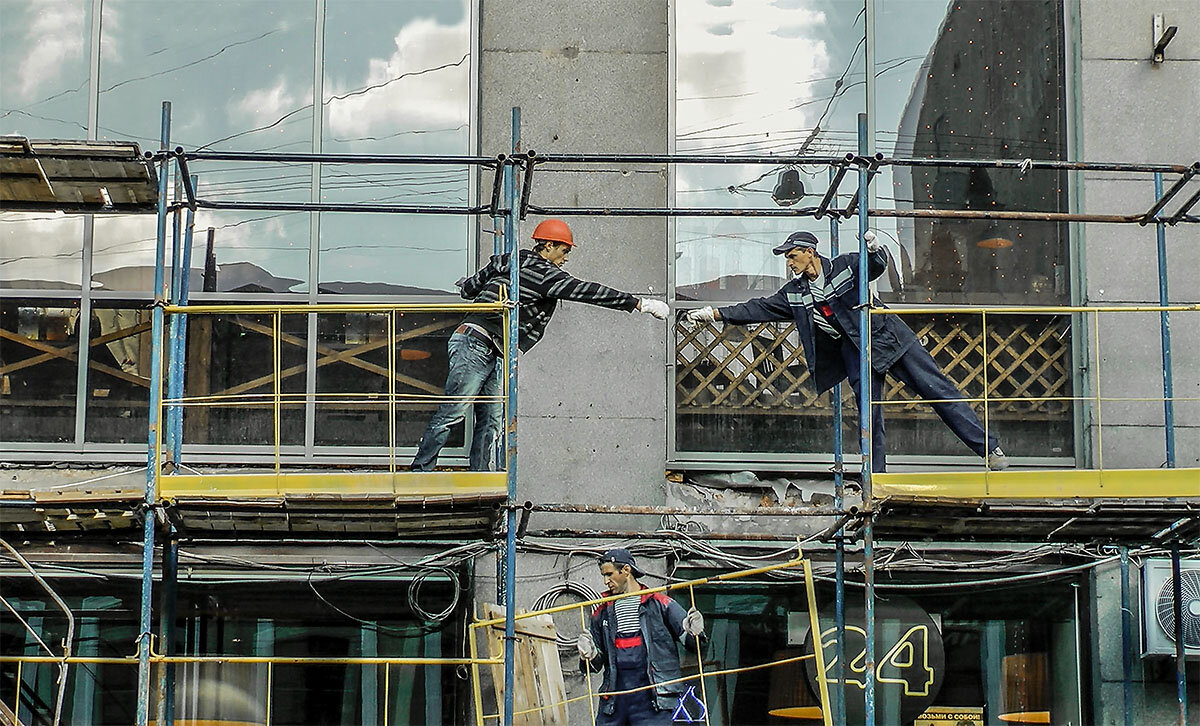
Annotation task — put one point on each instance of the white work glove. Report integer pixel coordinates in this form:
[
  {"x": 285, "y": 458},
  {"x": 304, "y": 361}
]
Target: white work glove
[
  {"x": 705, "y": 314},
  {"x": 873, "y": 243},
  {"x": 586, "y": 647},
  {"x": 693, "y": 622},
  {"x": 657, "y": 308}
]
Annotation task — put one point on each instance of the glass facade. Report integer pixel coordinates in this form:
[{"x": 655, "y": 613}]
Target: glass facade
[
  {"x": 966, "y": 79},
  {"x": 391, "y": 78},
  {"x": 321, "y": 617},
  {"x": 993, "y": 657}
]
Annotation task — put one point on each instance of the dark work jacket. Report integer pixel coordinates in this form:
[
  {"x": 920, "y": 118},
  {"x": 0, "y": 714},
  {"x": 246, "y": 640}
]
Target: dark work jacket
[
  {"x": 543, "y": 284},
  {"x": 661, "y": 621},
  {"x": 890, "y": 337}
]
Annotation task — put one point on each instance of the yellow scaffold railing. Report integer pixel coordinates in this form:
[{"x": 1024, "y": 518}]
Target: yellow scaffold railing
[
  {"x": 265, "y": 321},
  {"x": 481, "y": 717},
  {"x": 1016, "y": 483}
]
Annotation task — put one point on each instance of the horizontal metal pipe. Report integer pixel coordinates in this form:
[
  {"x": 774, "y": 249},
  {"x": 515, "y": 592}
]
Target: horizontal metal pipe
[
  {"x": 662, "y": 534},
  {"x": 320, "y": 308},
  {"x": 693, "y": 511},
  {"x": 1006, "y": 215},
  {"x": 293, "y": 660},
  {"x": 682, "y": 159},
  {"x": 339, "y": 158},
  {"x": 1038, "y": 164},
  {"x": 344, "y": 207},
  {"x": 812, "y": 212},
  {"x": 1033, "y": 310}
]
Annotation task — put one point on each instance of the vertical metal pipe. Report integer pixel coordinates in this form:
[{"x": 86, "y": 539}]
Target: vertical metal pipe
[
  {"x": 152, "y": 454},
  {"x": 166, "y": 629},
  {"x": 864, "y": 425},
  {"x": 1177, "y": 612},
  {"x": 1126, "y": 638},
  {"x": 839, "y": 554},
  {"x": 173, "y": 297},
  {"x": 510, "y": 539},
  {"x": 1165, "y": 330},
  {"x": 179, "y": 339}
]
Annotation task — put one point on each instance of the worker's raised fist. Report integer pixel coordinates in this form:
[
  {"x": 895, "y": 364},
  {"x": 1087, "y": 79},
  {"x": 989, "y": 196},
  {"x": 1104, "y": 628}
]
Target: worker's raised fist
[
  {"x": 705, "y": 314},
  {"x": 872, "y": 240},
  {"x": 657, "y": 308},
  {"x": 693, "y": 622},
  {"x": 586, "y": 647}
]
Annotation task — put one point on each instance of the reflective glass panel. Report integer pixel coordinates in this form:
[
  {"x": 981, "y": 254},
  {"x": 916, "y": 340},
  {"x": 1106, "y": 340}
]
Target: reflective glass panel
[
  {"x": 397, "y": 81},
  {"x": 231, "y": 373},
  {"x": 758, "y": 78},
  {"x": 254, "y": 59},
  {"x": 44, "y": 59},
  {"x": 972, "y": 79},
  {"x": 352, "y": 370},
  {"x": 39, "y": 344},
  {"x": 118, "y": 388},
  {"x": 41, "y": 251}
]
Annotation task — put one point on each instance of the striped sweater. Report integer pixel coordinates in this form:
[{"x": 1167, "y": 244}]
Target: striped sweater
[{"x": 542, "y": 286}]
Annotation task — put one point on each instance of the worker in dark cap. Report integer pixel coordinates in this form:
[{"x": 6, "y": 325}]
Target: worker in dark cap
[
  {"x": 634, "y": 641},
  {"x": 822, "y": 298}
]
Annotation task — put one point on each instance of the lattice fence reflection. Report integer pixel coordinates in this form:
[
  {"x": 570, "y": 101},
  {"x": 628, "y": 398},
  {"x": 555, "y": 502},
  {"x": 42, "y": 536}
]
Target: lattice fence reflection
[{"x": 762, "y": 367}]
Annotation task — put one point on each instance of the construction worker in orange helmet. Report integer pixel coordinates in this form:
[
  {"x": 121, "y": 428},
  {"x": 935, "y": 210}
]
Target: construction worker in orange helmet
[{"x": 475, "y": 348}]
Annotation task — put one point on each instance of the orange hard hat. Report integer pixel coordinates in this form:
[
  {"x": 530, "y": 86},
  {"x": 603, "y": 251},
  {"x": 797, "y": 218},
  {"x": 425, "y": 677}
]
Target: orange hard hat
[{"x": 553, "y": 230}]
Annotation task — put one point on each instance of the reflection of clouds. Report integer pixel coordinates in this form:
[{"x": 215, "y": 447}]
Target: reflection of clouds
[
  {"x": 34, "y": 246},
  {"x": 742, "y": 62},
  {"x": 264, "y": 105},
  {"x": 55, "y": 36},
  {"x": 418, "y": 101}
]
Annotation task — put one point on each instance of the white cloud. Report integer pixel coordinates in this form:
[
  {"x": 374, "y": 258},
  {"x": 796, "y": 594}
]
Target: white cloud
[
  {"x": 55, "y": 36},
  {"x": 264, "y": 105},
  {"x": 425, "y": 100},
  {"x": 747, "y": 64}
]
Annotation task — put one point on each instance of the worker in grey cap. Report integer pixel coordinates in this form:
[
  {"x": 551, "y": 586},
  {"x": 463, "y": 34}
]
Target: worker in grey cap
[
  {"x": 822, "y": 298},
  {"x": 634, "y": 640}
]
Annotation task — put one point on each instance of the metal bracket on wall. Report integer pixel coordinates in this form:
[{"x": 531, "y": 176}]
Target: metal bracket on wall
[{"x": 1161, "y": 38}]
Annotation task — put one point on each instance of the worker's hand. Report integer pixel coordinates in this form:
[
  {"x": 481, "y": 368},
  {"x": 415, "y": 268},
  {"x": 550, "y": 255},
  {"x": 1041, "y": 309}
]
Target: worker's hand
[
  {"x": 693, "y": 622},
  {"x": 873, "y": 243},
  {"x": 705, "y": 314},
  {"x": 586, "y": 647},
  {"x": 460, "y": 282},
  {"x": 657, "y": 308}
]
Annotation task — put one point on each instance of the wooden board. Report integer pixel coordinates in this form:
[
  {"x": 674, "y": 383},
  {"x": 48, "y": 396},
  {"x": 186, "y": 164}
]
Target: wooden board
[{"x": 538, "y": 679}]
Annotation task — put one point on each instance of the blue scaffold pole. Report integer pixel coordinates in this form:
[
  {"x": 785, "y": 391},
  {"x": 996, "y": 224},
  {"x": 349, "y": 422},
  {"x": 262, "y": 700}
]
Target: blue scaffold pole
[
  {"x": 864, "y": 423},
  {"x": 510, "y": 515},
  {"x": 1160, "y": 229},
  {"x": 839, "y": 553},
  {"x": 152, "y": 462}
]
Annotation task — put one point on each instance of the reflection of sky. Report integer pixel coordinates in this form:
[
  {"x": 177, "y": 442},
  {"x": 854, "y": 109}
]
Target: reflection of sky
[
  {"x": 757, "y": 78},
  {"x": 240, "y": 76}
]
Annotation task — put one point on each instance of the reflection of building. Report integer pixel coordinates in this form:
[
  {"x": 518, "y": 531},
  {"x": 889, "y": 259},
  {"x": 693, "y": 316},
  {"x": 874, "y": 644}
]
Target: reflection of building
[{"x": 992, "y": 87}]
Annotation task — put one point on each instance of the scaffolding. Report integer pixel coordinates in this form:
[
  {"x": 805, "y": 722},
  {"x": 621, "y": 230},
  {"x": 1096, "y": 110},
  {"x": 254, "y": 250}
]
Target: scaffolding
[{"x": 511, "y": 199}]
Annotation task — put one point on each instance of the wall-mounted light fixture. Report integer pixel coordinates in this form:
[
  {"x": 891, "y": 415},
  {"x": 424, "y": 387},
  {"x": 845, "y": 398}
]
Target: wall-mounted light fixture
[{"x": 1162, "y": 36}]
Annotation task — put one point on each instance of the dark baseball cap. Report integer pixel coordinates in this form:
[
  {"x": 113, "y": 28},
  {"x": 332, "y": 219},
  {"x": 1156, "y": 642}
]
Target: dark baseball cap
[
  {"x": 797, "y": 239},
  {"x": 621, "y": 556}
]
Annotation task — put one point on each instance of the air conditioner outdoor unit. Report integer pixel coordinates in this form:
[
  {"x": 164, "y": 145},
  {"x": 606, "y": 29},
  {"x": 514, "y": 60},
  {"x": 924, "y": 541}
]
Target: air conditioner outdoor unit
[{"x": 1159, "y": 629}]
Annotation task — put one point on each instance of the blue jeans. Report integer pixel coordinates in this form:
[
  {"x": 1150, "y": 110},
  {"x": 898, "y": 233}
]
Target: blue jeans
[
  {"x": 474, "y": 371},
  {"x": 917, "y": 369}
]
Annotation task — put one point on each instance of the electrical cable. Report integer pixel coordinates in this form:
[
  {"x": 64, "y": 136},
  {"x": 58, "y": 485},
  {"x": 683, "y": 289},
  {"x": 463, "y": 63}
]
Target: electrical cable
[{"x": 547, "y": 600}]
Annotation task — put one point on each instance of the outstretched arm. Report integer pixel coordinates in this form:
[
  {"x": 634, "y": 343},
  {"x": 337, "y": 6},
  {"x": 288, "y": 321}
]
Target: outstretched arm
[
  {"x": 564, "y": 286},
  {"x": 758, "y": 310}
]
